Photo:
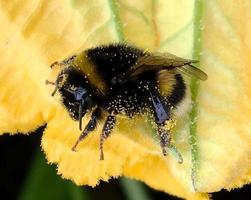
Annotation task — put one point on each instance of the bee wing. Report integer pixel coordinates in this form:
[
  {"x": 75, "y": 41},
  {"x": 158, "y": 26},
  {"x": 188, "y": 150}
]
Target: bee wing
[
  {"x": 191, "y": 70},
  {"x": 161, "y": 61},
  {"x": 166, "y": 59}
]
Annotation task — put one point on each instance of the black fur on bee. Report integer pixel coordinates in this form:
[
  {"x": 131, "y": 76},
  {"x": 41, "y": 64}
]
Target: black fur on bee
[{"x": 121, "y": 79}]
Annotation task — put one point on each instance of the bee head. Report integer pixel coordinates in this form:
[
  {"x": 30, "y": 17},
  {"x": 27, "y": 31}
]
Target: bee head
[{"x": 75, "y": 91}]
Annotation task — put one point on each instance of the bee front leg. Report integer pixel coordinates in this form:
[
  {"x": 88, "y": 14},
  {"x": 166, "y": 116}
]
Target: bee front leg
[
  {"x": 89, "y": 127},
  {"x": 108, "y": 126}
]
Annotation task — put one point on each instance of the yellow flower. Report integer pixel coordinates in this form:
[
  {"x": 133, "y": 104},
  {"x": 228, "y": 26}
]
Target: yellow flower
[{"x": 35, "y": 33}]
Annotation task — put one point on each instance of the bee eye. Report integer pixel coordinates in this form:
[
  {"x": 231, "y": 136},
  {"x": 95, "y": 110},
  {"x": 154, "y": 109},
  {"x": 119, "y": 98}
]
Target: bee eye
[{"x": 79, "y": 93}]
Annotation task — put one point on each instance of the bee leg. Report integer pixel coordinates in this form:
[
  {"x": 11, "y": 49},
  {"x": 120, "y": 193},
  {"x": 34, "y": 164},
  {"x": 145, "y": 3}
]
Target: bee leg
[
  {"x": 81, "y": 108},
  {"x": 52, "y": 83},
  {"x": 161, "y": 113},
  {"x": 89, "y": 127},
  {"x": 47, "y": 82},
  {"x": 164, "y": 138},
  {"x": 57, "y": 82},
  {"x": 108, "y": 126},
  {"x": 53, "y": 64},
  {"x": 55, "y": 90}
]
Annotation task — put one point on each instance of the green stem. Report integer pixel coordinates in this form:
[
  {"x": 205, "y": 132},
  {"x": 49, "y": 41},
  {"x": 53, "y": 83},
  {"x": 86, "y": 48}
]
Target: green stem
[
  {"x": 134, "y": 190},
  {"x": 194, "y": 87},
  {"x": 117, "y": 21}
]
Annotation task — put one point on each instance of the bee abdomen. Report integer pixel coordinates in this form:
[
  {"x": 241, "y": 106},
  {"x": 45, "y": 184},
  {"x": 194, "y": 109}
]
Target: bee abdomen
[{"x": 178, "y": 91}]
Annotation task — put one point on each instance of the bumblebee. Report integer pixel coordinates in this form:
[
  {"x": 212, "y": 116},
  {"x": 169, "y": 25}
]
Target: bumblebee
[{"x": 119, "y": 79}]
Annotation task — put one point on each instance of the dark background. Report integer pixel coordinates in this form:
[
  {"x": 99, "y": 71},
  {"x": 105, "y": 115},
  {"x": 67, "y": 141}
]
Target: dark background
[{"x": 18, "y": 152}]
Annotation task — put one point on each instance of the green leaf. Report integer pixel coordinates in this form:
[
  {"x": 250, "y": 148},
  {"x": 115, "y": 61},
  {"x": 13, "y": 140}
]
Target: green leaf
[{"x": 42, "y": 182}]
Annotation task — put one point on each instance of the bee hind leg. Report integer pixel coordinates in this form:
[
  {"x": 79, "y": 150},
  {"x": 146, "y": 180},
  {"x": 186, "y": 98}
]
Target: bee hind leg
[
  {"x": 161, "y": 114},
  {"x": 164, "y": 138},
  {"x": 89, "y": 127}
]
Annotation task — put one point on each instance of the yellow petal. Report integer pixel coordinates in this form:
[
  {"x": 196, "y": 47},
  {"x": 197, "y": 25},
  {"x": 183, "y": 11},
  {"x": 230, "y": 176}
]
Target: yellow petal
[
  {"x": 224, "y": 100},
  {"x": 38, "y": 33},
  {"x": 21, "y": 94},
  {"x": 131, "y": 153},
  {"x": 223, "y": 121}
]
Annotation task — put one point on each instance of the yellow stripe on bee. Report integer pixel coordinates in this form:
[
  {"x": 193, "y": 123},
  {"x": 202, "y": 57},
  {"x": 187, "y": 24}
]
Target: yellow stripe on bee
[
  {"x": 166, "y": 81},
  {"x": 93, "y": 75}
]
